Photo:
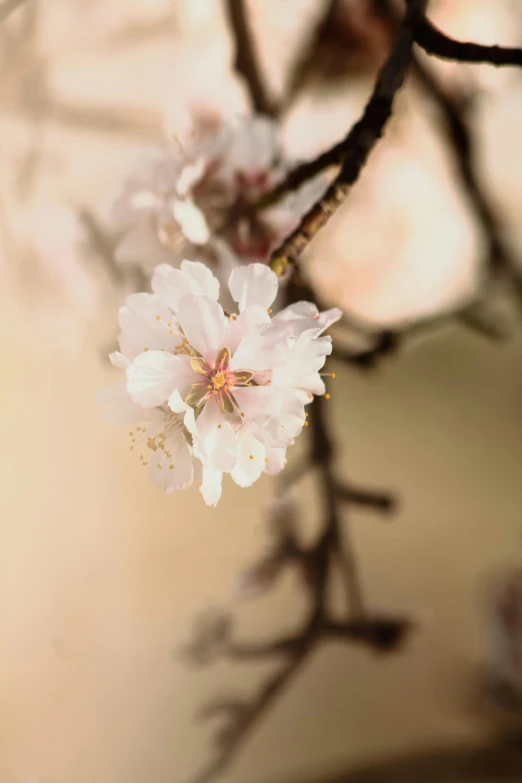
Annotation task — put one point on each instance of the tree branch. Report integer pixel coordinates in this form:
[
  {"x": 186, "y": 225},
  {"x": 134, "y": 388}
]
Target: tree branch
[
  {"x": 359, "y": 142},
  {"x": 436, "y": 42},
  {"x": 245, "y": 61}
]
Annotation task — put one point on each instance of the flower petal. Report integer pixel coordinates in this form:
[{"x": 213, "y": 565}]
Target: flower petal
[
  {"x": 261, "y": 348},
  {"x": 280, "y": 430},
  {"x": 203, "y": 322},
  {"x": 275, "y": 460},
  {"x": 215, "y": 438},
  {"x": 175, "y": 471},
  {"x": 211, "y": 486},
  {"x": 238, "y": 327},
  {"x": 171, "y": 285},
  {"x": 254, "y": 284},
  {"x": 153, "y": 376},
  {"x": 301, "y": 316},
  {"x": 250, "y": 459}
]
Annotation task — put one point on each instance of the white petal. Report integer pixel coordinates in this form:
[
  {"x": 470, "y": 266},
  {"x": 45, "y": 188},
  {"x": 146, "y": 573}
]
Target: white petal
[
  {"x": 260, "y": 349},
  {"x": 254, "y": 284},
  {"x": 201, "y": 279},
  {"x": 153, "y": 376},
  {"x": 178, "y": 405},
  {"x": 171, "y": 284},
  {"x": 301, "y": 316},
  {"x": 120, "y": 409},
  {"x": 257, "y": 402},
  {"x": 250, "y": 460},
  {"x": 280, "y": 430},
  {"x": 211, "y": 486},
  {"x": 203, "y": 322},
  {"x": 141, "y": 327},
  {"x": 215, "y": 438},
  {"x": 192, "y": 221},
  {"x": 117, "y": 359},
  {"x": 275, "y": 460},
  {"x": 170, "y": 478},
  {"x": 238, "y": 327}
]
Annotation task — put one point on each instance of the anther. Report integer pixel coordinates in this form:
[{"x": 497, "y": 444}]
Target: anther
[{"x": 327, "y": 396}]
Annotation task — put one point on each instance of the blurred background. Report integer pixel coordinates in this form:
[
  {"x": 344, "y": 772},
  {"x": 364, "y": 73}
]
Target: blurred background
[{"x": 102, "y": 575}]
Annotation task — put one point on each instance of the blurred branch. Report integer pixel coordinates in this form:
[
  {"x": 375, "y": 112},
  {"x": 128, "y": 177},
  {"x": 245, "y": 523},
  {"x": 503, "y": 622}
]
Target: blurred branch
[
  {"x": 358, "y": 143},
  {"x": 332, "y": 551},
  {"x": 436, "y": 42},
  {"x": 8, "y": 6},
  {"x": 461, "y": 139},
  {"x": 246, "y": 62}
]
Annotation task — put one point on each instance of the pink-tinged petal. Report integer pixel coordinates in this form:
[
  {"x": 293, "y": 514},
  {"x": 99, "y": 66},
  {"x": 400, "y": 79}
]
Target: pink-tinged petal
[
  {"x": 175, "y": 470},
  {"x": 118, "y": 359},
  {"x": 250, "y": 459},
  {"x": 211, "y": 486},
  {"x": 201, "y": 279},
  {"x": 119, "y": 408},
  {"x": 153, "y": 376},
  {"x": 260, "y": 349},
  {"x": 215, "y": 438},
  {"x": 177, "y": 405},
  {"x": 306, "y": 357},
  {"x": 203, "y": 323},
  {"x": 304, "y": 316},
  {"x": 257, "y": 402},
  {"x": 275, "y": 461},
  {"x": 142, "y": 329},
  {"x": 238, "y": 327},
  {"x": 280, "y": 430},
  {"x": 254, "y": 284},
  {"x": 171, "y": 285}
]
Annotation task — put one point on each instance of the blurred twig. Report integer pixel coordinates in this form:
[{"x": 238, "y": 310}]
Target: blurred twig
[
  {"x": 436, "y": 42},
  {"x": 332, "y": 550},
  {"x": 358, "y": 143},
  {"x": 246, "y": 61}
]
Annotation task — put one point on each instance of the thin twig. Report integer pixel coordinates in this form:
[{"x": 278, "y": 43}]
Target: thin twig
[
  {"x": 246, "y": 62},
  {"x": 436, "y": 42},
  {"x": 359, "y": 142}
]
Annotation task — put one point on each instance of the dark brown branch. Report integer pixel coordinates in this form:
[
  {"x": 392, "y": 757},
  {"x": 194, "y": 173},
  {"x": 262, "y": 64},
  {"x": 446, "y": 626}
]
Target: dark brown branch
[
  {"x": 356, "y": 496},
  {"x": 245, "y": 61},
  {"x": 381, "y": 633},
  {"x": 251, "y": 651},
  {"x": 359, "y": 142},
  {"x": 436, "y": 42}
]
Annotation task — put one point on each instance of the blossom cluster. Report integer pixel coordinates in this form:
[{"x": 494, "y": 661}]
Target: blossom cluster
[
  {"x": 215, "y": 392},
  {"x": 203, "y": 201}
]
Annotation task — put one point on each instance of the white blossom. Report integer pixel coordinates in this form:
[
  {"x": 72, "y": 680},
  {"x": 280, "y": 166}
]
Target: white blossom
[
  {"x": 203, "y": 201},
  {"x": 226, "y": 391}
]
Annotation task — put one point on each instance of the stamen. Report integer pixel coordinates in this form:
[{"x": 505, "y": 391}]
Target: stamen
[{"x": 327, "y": 396}]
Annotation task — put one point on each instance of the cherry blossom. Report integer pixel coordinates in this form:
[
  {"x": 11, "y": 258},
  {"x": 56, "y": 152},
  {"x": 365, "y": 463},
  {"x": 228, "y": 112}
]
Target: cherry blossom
[
  {"x": 203, "y": 201},
  {"x": 226, "y": 391}
]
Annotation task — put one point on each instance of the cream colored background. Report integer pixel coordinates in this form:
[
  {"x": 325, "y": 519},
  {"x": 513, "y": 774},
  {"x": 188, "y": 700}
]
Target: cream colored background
[{"x": 101, "y": 575}]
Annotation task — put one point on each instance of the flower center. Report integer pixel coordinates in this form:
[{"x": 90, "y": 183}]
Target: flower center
[{"x": 219, "y": 380}]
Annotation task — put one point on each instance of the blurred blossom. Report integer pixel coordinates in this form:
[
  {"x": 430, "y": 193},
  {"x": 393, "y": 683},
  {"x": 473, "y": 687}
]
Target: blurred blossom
[
  {"x": 43, "y": 259},
  {"x": 202, "y": 202},
  {"x": 226, "y": 391}
]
